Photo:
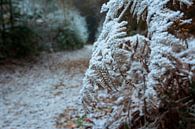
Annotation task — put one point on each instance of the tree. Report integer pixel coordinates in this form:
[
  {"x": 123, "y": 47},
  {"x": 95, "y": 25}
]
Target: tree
[
  {"x": 142, "y": 79},
  {"x": 16, "y": 39}
]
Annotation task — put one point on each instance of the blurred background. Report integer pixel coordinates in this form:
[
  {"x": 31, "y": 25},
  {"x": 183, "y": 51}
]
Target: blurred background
[
  {"x": 45, "y": 47},
  {"x": 28, "y": 27}
]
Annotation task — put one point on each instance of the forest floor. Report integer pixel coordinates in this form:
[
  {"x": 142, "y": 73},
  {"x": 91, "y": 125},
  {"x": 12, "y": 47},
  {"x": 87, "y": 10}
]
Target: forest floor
[{"x": 34, "y": 93}]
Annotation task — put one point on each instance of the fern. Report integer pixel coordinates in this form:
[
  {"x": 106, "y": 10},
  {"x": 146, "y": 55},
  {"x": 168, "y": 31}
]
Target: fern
[{"x": 150, "y": 71}]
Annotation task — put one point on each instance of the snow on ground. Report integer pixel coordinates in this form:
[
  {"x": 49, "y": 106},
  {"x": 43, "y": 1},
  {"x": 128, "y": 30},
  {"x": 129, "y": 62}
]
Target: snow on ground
[{"x": 33, "y": 94}]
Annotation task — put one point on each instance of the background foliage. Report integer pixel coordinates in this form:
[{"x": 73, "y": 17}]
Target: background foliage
[{"x": 51, "y": 25}]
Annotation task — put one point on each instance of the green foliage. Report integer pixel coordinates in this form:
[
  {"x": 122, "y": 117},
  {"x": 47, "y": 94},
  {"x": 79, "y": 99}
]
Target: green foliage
[
  {"x": 18, "y": 42},
  {"x": 80, "y": 121},
  {"x": 68, "y": 40},
  {"x": 16, "y": 39}
]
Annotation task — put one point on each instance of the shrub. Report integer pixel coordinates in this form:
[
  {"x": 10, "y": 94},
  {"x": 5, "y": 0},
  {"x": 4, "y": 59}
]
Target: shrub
[
  {"x": 68, "y": 40},
  {"x": 18, "y": 42}
]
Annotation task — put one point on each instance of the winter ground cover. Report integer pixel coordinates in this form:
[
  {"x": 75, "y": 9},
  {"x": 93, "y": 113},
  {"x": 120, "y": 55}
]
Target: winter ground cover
[{"x": 33, "y": 94}]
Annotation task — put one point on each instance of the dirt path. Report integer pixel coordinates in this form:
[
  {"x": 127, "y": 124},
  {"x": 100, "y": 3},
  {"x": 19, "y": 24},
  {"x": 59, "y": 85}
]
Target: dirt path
[{"x": 32, "y": 95}]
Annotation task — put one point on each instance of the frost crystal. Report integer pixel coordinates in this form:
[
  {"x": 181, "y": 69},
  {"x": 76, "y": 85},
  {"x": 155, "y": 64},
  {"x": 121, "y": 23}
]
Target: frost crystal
[{"x": 126, "y": 73}]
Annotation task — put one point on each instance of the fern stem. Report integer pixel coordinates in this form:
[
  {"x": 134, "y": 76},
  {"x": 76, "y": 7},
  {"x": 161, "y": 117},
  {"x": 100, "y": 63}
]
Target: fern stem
[{"x": 123, "y": 12}]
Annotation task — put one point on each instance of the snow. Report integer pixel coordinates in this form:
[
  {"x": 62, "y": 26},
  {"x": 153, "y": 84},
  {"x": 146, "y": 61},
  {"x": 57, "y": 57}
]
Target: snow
[{"x": 33, "y": 94}]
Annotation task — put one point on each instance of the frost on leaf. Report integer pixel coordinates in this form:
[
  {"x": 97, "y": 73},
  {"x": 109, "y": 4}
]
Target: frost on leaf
[{"x": 129, "y": 75}]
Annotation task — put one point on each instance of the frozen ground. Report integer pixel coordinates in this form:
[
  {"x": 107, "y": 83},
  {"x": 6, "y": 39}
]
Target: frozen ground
[{"x": 33, "y": 94}]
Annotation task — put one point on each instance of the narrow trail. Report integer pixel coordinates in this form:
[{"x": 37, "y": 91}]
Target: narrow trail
[{"x": 33, "y": 94}]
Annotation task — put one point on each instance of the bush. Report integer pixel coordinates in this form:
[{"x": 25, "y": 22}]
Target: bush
[
  {"x": 68, "y": 40},
  {"x": 18, "y": 42}
]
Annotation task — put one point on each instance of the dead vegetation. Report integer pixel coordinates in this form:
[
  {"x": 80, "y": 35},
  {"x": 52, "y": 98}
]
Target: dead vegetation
[{"x": 146, "y": 78}]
